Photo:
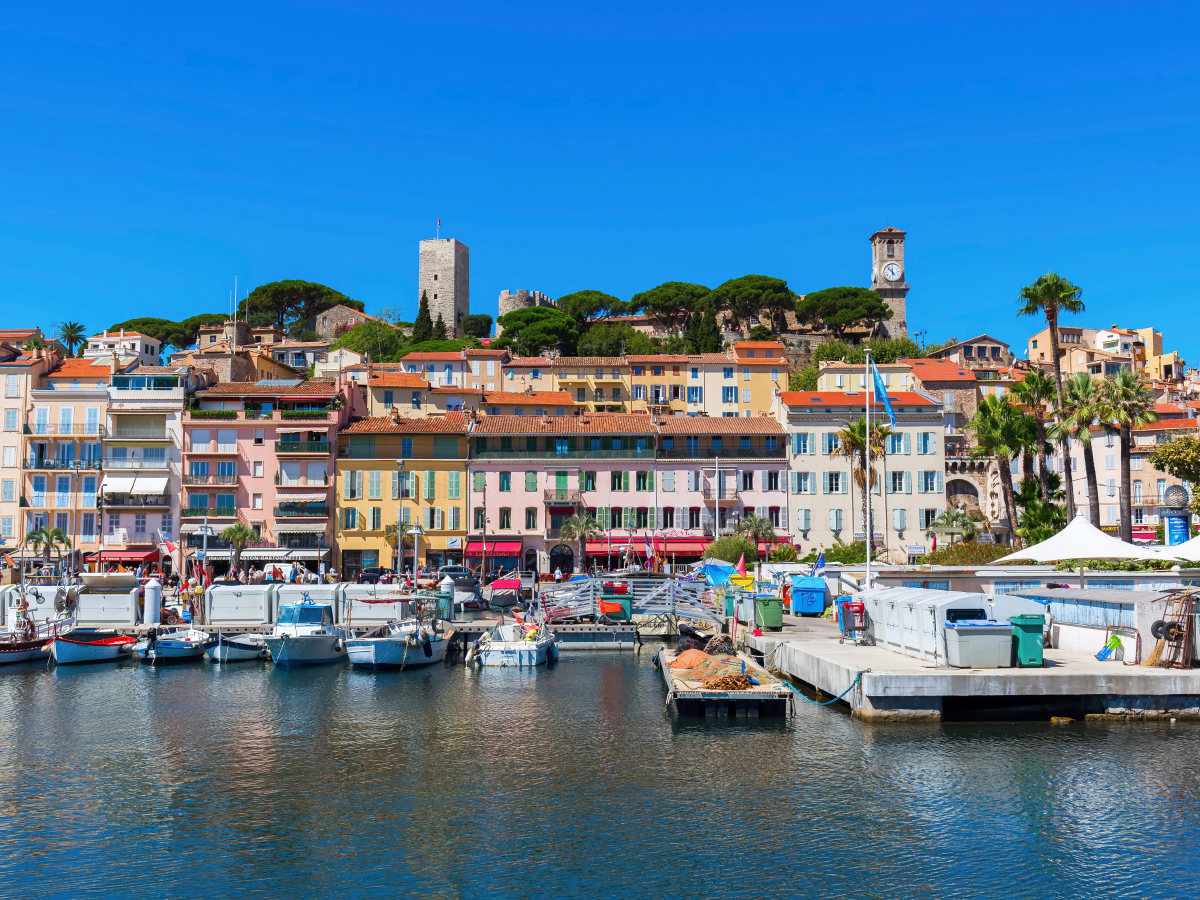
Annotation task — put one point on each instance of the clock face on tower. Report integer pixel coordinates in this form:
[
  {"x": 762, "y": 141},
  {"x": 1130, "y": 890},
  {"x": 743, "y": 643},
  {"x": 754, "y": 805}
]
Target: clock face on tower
[{"x": 892, "y": 272}]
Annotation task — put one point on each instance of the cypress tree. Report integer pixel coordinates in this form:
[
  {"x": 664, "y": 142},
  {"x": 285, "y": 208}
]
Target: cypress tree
[
  {"x": 703, "y": 334},
  {"x": 439, "y": 329},
  {"x": 423, "y": 327}
]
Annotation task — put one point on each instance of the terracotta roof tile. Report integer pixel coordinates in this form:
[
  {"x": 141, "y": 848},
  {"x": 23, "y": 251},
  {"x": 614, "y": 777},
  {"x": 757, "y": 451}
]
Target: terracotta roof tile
[
  {"x": 561, "y": 398},
  {"x": 759, "y": 345},
  {"x": 939, "y": 370},
  {"x": 487, "y": 354},
  {"x": 89, "y": 367},
  {"x": 583, "y": 362},
  {"x": 1168, "y": 424},
  {"x": 455, "y": 390},
  {"x": 612, "y": 423},
  {"x": 659, "y": 359},
  {"x": 314, "y": 387},
  {"x": 854, "y": 399},
  {"x": 434, "y": 357},
  {"x": 530, "y": 362},
  {"x": 398, "y": 379},
  {"x": 116, "y": 335},
  {"x": 451, "y": 423},
  {"x": 719, "y": 425}
]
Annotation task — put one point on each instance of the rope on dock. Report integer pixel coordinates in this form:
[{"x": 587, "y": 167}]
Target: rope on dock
[{"x": 855, "y": 683}]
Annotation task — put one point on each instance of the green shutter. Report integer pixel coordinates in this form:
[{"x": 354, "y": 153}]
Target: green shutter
[
  {"x": 430, "y": 485},
  {"x": 581, "y": 481},
  {"x": 650, "y": 481},
  {"x": 445, "y": 448},
  {"x": 479, "y": 482},
  {"x": 624, "y": 481}
]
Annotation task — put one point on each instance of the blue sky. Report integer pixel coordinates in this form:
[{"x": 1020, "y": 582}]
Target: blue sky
[{"x": 151, "y": 154}]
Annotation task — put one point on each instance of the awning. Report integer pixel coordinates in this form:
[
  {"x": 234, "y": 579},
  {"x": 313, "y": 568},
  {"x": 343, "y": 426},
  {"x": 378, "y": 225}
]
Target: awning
[
  {"x": 124, "y": 556},
  {"x": 300, "y": 497},
  {"x": 285, "y": 527},
  {"x": 508, "y": 548},
  {"x": 118, "y": 483},
  {"x": 150, "y": 484},
  {"x": 308, "y": 554}
]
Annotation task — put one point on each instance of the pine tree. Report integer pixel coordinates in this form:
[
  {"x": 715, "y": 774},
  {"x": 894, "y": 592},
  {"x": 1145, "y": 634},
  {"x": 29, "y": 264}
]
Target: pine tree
[
  {"x": 439, "y": 329},
  {"x": 423, "y": 327},
  {"x": 703, "y": 334}
]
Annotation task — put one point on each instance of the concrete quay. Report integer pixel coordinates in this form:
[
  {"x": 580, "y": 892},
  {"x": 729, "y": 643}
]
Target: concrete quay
[{"x": 900, "y": 688}]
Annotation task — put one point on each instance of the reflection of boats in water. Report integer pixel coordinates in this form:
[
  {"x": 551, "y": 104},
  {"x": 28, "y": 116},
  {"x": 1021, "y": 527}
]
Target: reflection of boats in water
[
  {"x": 82, "y": 647},
  {"x": 173, "y": 645},
  {"x": 237, "y": 648},
  {"x": 305, "y": 635},
  {"x": 406, "y": 644}
]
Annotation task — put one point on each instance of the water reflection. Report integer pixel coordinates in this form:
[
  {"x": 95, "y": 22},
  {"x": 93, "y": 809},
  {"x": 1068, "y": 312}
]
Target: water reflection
[{"x": 453, "y": 782}]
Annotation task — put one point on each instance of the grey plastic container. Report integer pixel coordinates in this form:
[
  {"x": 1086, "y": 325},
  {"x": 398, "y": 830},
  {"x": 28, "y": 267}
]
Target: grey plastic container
[{"x": 979, "y": 644}]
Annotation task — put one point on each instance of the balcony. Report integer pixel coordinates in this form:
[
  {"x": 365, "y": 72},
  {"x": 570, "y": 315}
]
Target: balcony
[
  {"x": 210, "y": 479},
  {"x": 728, "y": 495},
  {"x": 126, "y": 501},
  {"x": 63, "y": 465},
  {"x": 122, "y": 433},
  {"x": 696, "y": 452},
  {"x": 217, "y": 512},
  {"x": 312, "y": 511},
  {"x": 261, "y": 415},
  {"x": 301, "y": 481},
  {"x": 646, "y": 453},
  {"x": 137, "y": 463},
  {"x": 199, "y": 414},
  {"x": 303, "y": 447},
  {"x": 212, "y": 447},
  {"x": 563, "y": 495},
  {"x": 50, "y": 429}
]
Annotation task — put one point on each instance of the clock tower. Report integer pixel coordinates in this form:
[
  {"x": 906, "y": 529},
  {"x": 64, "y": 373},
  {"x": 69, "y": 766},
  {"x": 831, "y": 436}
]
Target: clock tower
[{"x": 888, "y": 278}]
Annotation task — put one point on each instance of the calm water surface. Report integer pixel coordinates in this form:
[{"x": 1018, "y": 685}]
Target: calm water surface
[{"x": 571, "y": 782}]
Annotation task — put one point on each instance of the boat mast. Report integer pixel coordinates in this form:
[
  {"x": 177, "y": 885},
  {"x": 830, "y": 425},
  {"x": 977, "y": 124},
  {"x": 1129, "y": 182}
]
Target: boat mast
[{"x": 867, "y": 482}]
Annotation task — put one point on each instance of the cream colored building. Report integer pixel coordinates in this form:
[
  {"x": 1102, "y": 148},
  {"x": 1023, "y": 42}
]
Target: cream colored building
[{"x": 596, "y": 383}]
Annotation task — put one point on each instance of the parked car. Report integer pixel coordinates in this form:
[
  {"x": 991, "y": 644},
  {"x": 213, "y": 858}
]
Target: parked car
[
  {"x": 374, "y": 574},
  {"x": 464, "y": 579}
]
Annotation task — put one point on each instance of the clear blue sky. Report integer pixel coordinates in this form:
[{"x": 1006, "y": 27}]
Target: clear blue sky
[{"x": 150, "y": 153}]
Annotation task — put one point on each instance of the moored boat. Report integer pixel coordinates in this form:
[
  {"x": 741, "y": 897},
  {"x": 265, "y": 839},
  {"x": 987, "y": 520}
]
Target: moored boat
[
  {"x": 517, "y": 644},
  {"x": 398, "y": 645},
  {"x": 305, "y": 635},
  {"x": 173, "y": 646},
  {"x": 78, "y": 648},
  {"x": 237, "y": 648}
]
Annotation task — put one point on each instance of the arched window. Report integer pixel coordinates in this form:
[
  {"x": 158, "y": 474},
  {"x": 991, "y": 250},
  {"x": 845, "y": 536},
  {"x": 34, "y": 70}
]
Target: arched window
[{"x": 891, "y": 249}]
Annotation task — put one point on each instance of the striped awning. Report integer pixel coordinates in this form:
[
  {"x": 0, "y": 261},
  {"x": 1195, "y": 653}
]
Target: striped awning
[{"x": 303, "y": 497}]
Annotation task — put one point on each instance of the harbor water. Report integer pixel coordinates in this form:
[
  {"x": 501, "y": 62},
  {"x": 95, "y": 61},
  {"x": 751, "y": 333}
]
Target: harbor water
[{"x": 250, "y": 781}]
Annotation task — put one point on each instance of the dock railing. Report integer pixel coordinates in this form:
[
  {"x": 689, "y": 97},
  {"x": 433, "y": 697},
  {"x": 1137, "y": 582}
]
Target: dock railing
[{"x": 647, "y": 596}]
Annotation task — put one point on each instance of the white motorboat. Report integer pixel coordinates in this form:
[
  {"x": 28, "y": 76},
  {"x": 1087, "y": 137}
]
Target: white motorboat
[
  {"x": 81, "y": 647},
  {"x": 516, "y": 644},
  {"x": 173, "y": 645},
  {"x": 237, "y": 648},
  {"x": 398, "y": 645},
  {"x": 305, "y": 635}
]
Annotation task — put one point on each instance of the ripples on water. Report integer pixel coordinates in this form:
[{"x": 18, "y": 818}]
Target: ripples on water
[{"x": 132, "y": 781}]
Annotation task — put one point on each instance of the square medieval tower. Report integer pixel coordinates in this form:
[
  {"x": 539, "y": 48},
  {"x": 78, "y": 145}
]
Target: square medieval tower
[{"x": 445, "y": 275}]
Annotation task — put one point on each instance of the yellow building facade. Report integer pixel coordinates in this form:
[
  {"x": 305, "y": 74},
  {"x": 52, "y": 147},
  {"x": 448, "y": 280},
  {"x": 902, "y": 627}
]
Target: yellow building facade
[
  {"x": 392, "y": 469},
  {"x": 596, "y": 383}
]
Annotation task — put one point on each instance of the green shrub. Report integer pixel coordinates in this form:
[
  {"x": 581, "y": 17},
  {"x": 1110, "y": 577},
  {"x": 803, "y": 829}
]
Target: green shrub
[
  {"x": 214, "y": 413},
  {"x": 731, "y": 548},
  {"x": 970, "y": 553}
]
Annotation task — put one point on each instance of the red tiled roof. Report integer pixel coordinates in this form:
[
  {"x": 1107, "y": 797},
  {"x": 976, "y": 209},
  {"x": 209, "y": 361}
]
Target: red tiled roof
[
  {"x": 313, "y": 387},
  {"x": 939, "y": 370},
  {"x": 1168, "y": 424},
  {"x": 455, "y": 390},
  {"x": 434, "y": 357},
  {"x": 88, "y": 367},
  {"x": 612, "y": 423},
  {"x": 530, "y": 361},
  {"x": 490, "y": 354},
  {"x": 451, "y": 423},
  {"x": 711, "y": 358},
  {"x": 719, "y": 425},
  {"x": 1169, "y": 409},
  {"x": 116, "y": 335},
  {"x": 659, "y": 359},
  {"x": 583, "y": 362},
  {"x": 759, "y": 345},
  {"x": 398, "y": 379},
  {"x": 854, "y": 399},
  {"x": 559, "y": 397}
]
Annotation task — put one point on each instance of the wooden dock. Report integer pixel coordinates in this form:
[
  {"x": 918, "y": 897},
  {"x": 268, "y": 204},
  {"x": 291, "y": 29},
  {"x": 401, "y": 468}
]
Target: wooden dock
[{"x": 771, "y": 698}]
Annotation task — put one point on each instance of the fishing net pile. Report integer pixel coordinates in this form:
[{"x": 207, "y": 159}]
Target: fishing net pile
[
  {"x": 688, "y": 644},
  {"x": 720, "y": 643},
  {"x": 728, "y": 683}
]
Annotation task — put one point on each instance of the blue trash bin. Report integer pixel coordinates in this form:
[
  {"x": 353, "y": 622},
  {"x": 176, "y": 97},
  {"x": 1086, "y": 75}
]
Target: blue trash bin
[{"x": 808, "y": 595}]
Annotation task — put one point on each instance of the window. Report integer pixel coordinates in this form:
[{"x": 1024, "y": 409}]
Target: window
[
  {"x": 531, "y": 518},
  {"x": 1110, "y": 514},
  {"x": 349, "y": 519},
  {"x": 745, "y": 373},
  {"x": 835, "y": 520},
  {"x": 693, "y": 445},
  {"x": 389, "y": 399},
  {"x": 1110, "y": 461},
  {"x": 256, "y": 501},
  {"x": 745, "y": 395},
  {"x": 139, "y": 524},
  {"x": 1137, "y": 492},
  {"x": 840, "y": 380},
  {"x": 375, "y": 485},
  {"x": 925, "y": 518},
  {"x": 891, "y": 249},
  {"x": 642, "y": 517},
  {"x": 479, "y": 518},
  {"x": 615, "y": 517},
  {"x": 258, "y": 470},
  {"x": 406, "y": 448},
  {"x": 616, "y": 479},
  {"x": 505, "y": 518},
  {"x": 968, "y": 351},
  {"x": 531, "y": 481},
  {"x": 695, "y": 371},
  {"x": 645, "y": 481},
  {"x": 772, "y": 480},
  {"x": 728, "y": 395},
  {"x": 10, "y": 420},
  {"x": 639, "y": 392},
  {"x": 802, "y": 482},
  {"x": 506, "y": 481},
  {"x": 87, "y": 527},
  {"x": 835, "y": 483},
  {"x": 454, "y": 485},
  {"x": 929, "y": 482},
  {"x": 258, "y": 437},
  {"x": 12, "y": 386},
  {"x": 8, "y": 489},
  {"x": 695, "y": 395},
  {"x": 898, "y": 519},
  {"x": 616, "y": 393},
  {"x": 114, "y": 520},
  {"x": 718, "y": 442},
  {"x": 774, "y": 373},
  {"x": 1162, "y": 489},
  {"x": 535, "y": 374},
  {"x": 926, "y": 443},
  {"x": 227, "y": 502},
  {"x": 747, "y": 481},
  {"x": 1135, "y": 462},
  {"x": 416, "y": 399},
  {"x": 694, "y": 517}
]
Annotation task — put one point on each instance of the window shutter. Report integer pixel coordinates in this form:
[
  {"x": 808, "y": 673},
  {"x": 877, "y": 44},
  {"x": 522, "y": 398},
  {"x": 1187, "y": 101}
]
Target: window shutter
[
  {"x": 348, "y": 486},
  {"x": 602, "y": 516},
  {"x": 795, "y": 476},
  {"x": 939, "y": 481},
  {"x": 668, "y": 481},
  {"x": 795, "y": 443},
  {"x": 430, "y": 485},
  {"x": 783, "y": 517},
  {"x": 907, "y": 444},
  {"x": 812, "y": 482},
  {"x": 824, "y": 443},
  {"x": 440, "y": 522},
  {"x": 650, "y": 480},
  {"x": 680, "y": 520},
  {"x": 395, "y": 485},
  {"x": 581, "y": 480},
  {"x": 625, "y": 481},
  {"x": 455, "y": 518},
  {"x": 628, "y": 520},
  {"x": 812, "y": 443},
  {"x": 824, "y": 482},
  {"x": 845, "y": 481},
  {"x": 833, "y": 520},
  {"x": 920, "y": 482}
]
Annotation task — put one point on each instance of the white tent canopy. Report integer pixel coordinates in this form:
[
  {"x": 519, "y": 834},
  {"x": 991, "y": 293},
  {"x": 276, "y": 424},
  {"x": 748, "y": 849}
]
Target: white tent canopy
[
  {"x": 1186, "y": 550},
  {"x": 1083, "y": 540}
]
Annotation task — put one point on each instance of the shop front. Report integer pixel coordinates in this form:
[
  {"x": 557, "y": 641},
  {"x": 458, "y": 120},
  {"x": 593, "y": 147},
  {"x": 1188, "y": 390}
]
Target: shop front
[{"x": 498, "y": 554}]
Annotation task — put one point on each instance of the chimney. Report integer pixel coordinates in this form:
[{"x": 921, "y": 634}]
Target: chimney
[
  {"x": 114, "y": 364},
  {"x": 122, "y": 332}
]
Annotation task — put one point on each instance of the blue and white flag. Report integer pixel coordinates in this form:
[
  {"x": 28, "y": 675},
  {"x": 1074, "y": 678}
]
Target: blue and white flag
[
  {"x": 819, "y": 566},
  {"x": 649, "y": 549},
  {"x": 881, "y": 393}
]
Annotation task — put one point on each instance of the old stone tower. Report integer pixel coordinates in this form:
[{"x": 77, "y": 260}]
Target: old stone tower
[
  {"x": 889, "y": 279},
  {"x": 445, "y": 275}
]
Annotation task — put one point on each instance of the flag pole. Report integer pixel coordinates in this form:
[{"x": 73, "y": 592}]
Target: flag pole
[{"x": 867, "y": 483}]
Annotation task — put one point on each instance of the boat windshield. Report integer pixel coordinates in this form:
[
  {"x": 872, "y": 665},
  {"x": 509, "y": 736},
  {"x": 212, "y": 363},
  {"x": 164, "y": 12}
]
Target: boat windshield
[{"x": 306, "y": 615}]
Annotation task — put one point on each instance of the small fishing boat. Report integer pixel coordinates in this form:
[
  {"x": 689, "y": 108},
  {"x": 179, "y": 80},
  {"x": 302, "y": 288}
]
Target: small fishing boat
[
  {"x": 398, "y": 645},
  {"x": 80, "y": 647},
  {"x": 305, "y": 635},
  {"x": 515, "y": 644},
  {"x": 172, "y": 646},
  {"x": 29, "y": 641},
  {"x": 237, "y": 648}
]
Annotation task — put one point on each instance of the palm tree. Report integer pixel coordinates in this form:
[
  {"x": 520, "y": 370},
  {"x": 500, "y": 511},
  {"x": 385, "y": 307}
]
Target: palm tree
[
  {"x": 998, "y": 432},
  {"x": 581, "y": 527},
  {"x": 955, "y": 521},
  {"x": 757, "y": 528},
  {"x": 1082, "y": 406},
  {"x": 1131, "y": 405},
  {"x": 45, "y": 539},
  {"x": 1050, "y": 295},
  {"x": 238, "y": 535},
  {"x": 1036, "y": 392},
  {"x": 399, "y": 535},
  {"x": 71, "y": 334},
  {"x": 852, "y": 446}
]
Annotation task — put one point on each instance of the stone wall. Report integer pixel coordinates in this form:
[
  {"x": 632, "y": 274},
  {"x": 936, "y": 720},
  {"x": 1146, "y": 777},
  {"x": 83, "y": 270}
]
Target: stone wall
[
  {"x": 445, "y": 278},
  {"x": 326, "y": 323},
  {"x": 522, "y": 299}
]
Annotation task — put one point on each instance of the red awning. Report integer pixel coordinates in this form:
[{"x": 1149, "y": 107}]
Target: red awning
[
  {"x": 687, "y": 547},
  {"x": 124, "y": 556},
  {"x": 506, "y": 548}
]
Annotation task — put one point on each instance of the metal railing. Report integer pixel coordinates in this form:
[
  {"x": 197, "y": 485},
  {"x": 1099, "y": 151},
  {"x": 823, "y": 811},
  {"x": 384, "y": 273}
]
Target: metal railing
[
  {"x": 708, "y": 491},
  {"x": 111, "y": 500},
  {"x": 213, "y": 512},
  {"x": 135, "y": 463},
  {"x": 52, "y": 429},
  {"x": 563, "y": 495},
  {"x": 302, "y": 481},
  {"x": 647, "y": 453},
  {"x": 210, "y": 479},
  {"x": 302, "y": 446},
  {"x": 63, "y": 465},
  {"x": 313, "y": 510},
  {"x": 139, "y": 434},
  {"x": 697, "y": 452}
]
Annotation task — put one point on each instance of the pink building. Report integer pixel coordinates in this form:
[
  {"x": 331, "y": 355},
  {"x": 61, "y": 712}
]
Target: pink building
[{"x": 263, "y": 453}]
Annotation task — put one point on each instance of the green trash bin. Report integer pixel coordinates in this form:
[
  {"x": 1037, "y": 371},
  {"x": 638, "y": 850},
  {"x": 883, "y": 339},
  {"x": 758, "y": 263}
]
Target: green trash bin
[
  {"x": 768, "y": 613},
  {"x": 1027, "y": 640}
]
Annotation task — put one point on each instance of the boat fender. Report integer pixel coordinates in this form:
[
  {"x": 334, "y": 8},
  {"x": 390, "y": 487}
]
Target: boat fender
[
  {"x": 428, "y": 648},
  {"x": 470, "y": 655},
  {"x": 337, "y": 646}
]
